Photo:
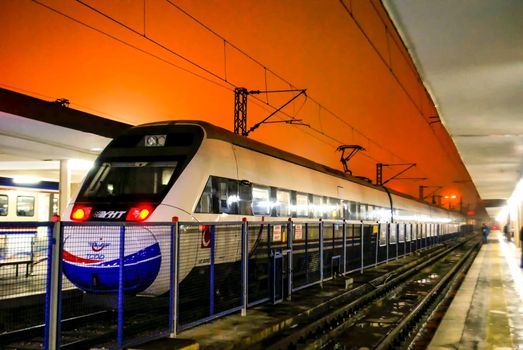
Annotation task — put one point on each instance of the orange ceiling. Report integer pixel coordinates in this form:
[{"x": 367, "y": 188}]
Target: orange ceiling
[{"x": 141, "y": 61}]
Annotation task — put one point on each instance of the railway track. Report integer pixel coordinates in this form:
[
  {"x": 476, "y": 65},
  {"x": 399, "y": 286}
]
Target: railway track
[
  {"x": 389, "y": 316},
  {"x": 391, "y": 307},
  {"x": 32, "y": 337},
  {"x": 88, "y": 330}
]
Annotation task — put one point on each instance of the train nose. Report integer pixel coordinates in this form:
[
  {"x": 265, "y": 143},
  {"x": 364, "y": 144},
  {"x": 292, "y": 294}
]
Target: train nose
[{"x": 92, "y": 261}]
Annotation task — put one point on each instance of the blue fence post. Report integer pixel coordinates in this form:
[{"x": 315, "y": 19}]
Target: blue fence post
[
  {"x": 211, "y": 274},
  {"x": 397, "y": 230},
  {"x": 120, "y": 286},
  {"x": 245, "y": 266},
  {"x": 306, "y": 259},
  {"x": 387, "y": 240},
  {"x": 321, "y": 252},
  {"x": 415, "y": 233},
  {"x": 270, "y": 267},
  {"x": 54, "y": 287},
  {"x": 362, "y": 239},
  {"x": 378, "y": 234},
  {"x": 173, "y": 291},
  {"x": 405, "y": 238},
  {"x": 48, "y": 286},
  {"x": 418, "y": 236},
  {"x": 177, "y": 278},
  {"x": 344, "y": 228},
  {"x": 424, "y": 230},
  {"x": 290, "y": 236}
]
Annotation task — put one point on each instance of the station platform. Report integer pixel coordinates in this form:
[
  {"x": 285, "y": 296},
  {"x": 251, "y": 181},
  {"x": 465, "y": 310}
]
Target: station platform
[{"x": 487, "y": 310}]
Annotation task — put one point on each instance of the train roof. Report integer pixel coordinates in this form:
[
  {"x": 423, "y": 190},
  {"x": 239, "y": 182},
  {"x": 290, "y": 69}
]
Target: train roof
[{"x": 219, "y": 133}]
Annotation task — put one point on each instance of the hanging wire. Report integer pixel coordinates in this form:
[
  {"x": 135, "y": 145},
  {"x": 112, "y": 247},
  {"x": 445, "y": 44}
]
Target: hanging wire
[
  {"x": 144, "y": 18},
  {"x": 225, "y": 60},
  {"x": 266, "y": 86},
  {"x": 202, "y": 68}
]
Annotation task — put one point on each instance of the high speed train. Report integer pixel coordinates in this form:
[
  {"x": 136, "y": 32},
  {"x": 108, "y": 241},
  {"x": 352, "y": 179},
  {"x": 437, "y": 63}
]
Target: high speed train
[{"x": 199, "y": 172}]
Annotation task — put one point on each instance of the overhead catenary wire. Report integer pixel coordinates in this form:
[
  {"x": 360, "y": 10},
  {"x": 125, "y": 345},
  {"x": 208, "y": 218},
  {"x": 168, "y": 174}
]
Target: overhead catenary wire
[
  {"x": 384, "y": 61},
  {"x": 182, "y": 10},
  {"x": 227, "y": 84},
  {"x": 209, "y": 71},
  {"x": 129, "y": 44}
]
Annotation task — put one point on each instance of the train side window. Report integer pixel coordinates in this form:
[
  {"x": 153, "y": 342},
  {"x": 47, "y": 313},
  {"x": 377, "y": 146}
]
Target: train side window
[
  {"x": 302, "y": 205},
  {"x": 324, "y": 208},
  {"x": 408, "y": 231},
  {"x": 205, "y": 202},
  {"x": 25, "y": 206},
  {"x": 260, "y": 200},
  {"x": 383, "y": 235},
  {"x": 363, "y": 212},
  {"x": 344, "y": 208},
  {"x": 283, "y": 200},
  {"x": 393, "y": 237},
  {"x": 227, "y": 193},
  {"x": 401, "y": 233},
  {"x": 354, "y": 214},
  {"x": 334, "y": 208},
  {"x": 245, "y": 190},
  {"x": 370, "y": 212},
  {"x": 4, "y": 205},
  {"x": 316, "y": 207}
]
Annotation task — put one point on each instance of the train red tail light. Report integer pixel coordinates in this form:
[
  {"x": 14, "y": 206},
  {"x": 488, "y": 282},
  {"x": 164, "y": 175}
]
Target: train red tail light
[
  {"x": 80, "y": 213},
  {"x": 139, "y": 213}
]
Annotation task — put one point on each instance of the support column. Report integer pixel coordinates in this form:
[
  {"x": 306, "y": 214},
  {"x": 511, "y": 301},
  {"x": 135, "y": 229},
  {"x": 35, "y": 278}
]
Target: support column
[
  {"x": 519, "y": 224},
  {"x": 65, "y": 185}
]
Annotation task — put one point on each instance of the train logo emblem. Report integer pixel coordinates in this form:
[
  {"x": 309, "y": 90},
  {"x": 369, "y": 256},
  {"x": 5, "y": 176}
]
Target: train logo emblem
[
  {"x": 111, "y": 214},
  {"x": 98, "y": 246}
]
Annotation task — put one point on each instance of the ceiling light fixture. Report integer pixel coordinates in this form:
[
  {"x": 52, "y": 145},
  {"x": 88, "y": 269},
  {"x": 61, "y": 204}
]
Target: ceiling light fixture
[{"x": 26, "y": 180}]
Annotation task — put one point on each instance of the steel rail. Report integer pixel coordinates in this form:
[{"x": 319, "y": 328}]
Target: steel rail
[
  {"x": 37, "y": 331},
  {"x": 336, "y": 322},
  {"x": 408, "y": 323}
]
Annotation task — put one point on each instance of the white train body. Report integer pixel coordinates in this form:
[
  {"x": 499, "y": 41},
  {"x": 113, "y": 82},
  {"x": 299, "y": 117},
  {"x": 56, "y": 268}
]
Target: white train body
[{"x": 211, "y": 175}]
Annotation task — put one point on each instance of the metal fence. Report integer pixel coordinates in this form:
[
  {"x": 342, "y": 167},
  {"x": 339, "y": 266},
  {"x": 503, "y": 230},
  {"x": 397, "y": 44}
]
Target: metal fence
[
  {"x": 151, "y": 280},
  {"x": 23, "y": 274}
]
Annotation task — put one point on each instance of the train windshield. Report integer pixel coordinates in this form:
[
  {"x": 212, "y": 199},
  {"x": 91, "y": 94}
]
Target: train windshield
[{"x": 129, "y": 180}]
